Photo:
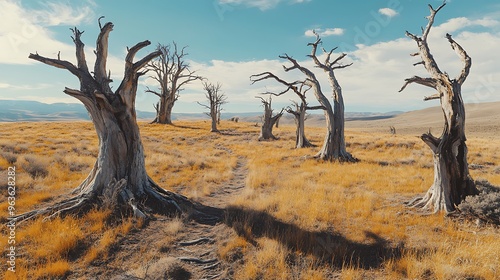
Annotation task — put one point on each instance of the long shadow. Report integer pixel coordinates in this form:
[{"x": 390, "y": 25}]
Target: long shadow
[
  {"x": 327, "y": 247},
  {"x": 186, "y": 127}
]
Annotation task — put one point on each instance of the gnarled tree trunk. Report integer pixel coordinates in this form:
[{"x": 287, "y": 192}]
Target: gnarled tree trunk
[
  {"x": 299, "y": 115},
  {"x": 164, "y": 110},
  {"x": 452, "y": 182},
  {"x": 268, "y": 121},
  {"x": 118, "y": 178}
]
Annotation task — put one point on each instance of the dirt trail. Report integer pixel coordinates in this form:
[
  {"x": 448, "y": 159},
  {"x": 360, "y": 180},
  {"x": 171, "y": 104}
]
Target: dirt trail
[{"x": 190, "y": 253}]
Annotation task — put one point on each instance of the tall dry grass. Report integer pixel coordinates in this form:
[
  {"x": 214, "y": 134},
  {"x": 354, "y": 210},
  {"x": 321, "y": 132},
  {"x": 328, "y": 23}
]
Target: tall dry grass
[{"x": 358, "y": 205}]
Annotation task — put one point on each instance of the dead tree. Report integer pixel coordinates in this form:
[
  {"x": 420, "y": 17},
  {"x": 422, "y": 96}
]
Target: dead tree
[
  {"x": 172, "y": 73},
  {"x": 334, "y": 147},
  {"x": 215, "y": 101},
  {"x": 118, "y": 178},
  {"x": 268, "y": 120},
  {"x": 299, "y": 114},
  {"x": 392, "y": 129},
  {"x": 452, "y": 182},
  {"x": 300, "y": 109}
]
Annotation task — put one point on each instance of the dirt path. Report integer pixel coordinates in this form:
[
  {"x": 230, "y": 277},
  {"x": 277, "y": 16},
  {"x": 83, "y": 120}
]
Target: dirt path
[{"x": 160, "y": 252}]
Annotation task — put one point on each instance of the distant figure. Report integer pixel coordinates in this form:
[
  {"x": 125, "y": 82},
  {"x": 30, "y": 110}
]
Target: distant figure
[{"x": 393, "y": 130}]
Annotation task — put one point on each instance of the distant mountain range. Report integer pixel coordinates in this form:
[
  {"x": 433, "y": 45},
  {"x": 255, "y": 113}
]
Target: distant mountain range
[{"x": 18, "y": 110}]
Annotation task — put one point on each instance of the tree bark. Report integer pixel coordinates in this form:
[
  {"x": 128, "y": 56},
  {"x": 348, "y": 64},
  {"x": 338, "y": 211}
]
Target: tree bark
[
  {"x": 452, "y": 181},
  {"x": 118, "y": 178},
  {"x": 268, "y": 121},
  {"x": 300, "y": 116}
]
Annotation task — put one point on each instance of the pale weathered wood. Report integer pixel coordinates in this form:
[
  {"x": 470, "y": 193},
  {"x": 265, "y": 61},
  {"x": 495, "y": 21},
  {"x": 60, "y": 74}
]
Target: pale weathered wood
[
  {"x": 452, "y": 182},
  {"x": 334, "y": 147},
  {"x": 118, "y": 178},
  {"x": 300, "y": 110},
  {"x": 268, "y": 120}
]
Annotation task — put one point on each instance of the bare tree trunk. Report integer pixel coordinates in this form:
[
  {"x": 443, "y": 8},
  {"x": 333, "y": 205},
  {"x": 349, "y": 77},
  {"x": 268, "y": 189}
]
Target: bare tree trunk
[
  {"x": 166, "y": 115},
  {"x": 299, "y": 117},
  {"x": 118, "y": 178},
  {"x": 452, "y": 182},
  {"x": 269, "y": 121}
]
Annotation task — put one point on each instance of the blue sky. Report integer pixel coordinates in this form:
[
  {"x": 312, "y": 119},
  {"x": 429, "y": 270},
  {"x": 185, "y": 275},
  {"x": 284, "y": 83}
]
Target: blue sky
[{"x": 231, "y": 39}]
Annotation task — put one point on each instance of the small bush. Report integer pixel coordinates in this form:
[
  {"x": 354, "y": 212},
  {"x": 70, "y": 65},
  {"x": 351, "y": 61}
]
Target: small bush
[
  {"x": 485, "y": 206},
  {"x": 10, "y": 157},
  {"x": 35, "y": 167}
]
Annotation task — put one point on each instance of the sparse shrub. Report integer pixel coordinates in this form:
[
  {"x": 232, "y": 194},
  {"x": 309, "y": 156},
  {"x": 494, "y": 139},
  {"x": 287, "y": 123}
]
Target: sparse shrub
[
  {"x": 485, "y": 206},
  {"x": 10, "y": 157},
  {"x": 496, "y": 170},
  {"x": 35, "y": 167}
]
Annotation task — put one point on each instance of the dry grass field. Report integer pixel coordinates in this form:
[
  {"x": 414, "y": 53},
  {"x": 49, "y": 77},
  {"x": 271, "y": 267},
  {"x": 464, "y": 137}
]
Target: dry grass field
[{"x": 290, "y": 216}]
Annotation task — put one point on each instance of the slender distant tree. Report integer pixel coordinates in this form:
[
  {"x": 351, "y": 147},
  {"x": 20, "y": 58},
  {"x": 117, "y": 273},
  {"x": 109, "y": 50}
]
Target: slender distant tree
[
  {"x": 215, "y": 100},
  {"x": 452, "y": 182},
  {"x": 334, "y": 147},
  {"x": 118, "y": 178},
  {"x": 299, "y": 112},
  {"x": 268, "y": 120},
  {"x": 172, "y": 73}
]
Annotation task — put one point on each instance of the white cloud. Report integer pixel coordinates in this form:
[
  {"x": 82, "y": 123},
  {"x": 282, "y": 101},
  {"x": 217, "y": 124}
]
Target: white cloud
[
  {"x": 23, "y": 31},
  {"x": 324, "y": 32},
  {"x": 388, "y": 12},
  {"x": 457, "y": 24},
  {"x": 373, "y": 81},
  {"x": 260, "y": 4},
  {"x": 55, "y": 13}
]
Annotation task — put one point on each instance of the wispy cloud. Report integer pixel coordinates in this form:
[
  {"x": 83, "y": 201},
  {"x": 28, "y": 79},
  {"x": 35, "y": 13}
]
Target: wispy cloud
[
  {"x": 24, "y": 30},
  {"x": 388, "y": 12},
  {"x": 457, "y": 24},
  {"x": 261, "y": 4},
  {"x": 55, "y": 13},
  {"x": 324, "y": 32},
  {"x": 393, "y": 64}
]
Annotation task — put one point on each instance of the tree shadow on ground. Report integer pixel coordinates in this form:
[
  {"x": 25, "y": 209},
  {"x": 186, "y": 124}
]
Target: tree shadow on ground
[
  {"x": 329, "y": 248},
  {"x": 186, "y": 127}
]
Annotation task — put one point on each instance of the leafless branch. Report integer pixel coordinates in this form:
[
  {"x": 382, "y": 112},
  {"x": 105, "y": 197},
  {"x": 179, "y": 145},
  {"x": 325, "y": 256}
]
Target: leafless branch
[{"x": 430, "y": 82}]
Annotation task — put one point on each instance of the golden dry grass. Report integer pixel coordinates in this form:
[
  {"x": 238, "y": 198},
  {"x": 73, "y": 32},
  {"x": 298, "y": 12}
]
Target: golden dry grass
[{"x": 360, "y": 202}]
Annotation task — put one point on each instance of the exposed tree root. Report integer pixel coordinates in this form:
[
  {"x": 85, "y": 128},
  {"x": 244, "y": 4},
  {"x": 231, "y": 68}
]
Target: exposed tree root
[
  {"x": 196, "y": 241},
  {"x": 196, "y": 260},
  {"x": 124, "y": 203},
  {"x": 73, "y": 206}
]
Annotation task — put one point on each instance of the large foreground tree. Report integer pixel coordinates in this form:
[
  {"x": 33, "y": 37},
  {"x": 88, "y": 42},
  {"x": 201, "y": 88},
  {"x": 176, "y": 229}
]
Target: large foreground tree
[
  {"x": 172, "y": 73},
  {"x": 118, "y": 178},
  {"x": 452, "y": 182}
]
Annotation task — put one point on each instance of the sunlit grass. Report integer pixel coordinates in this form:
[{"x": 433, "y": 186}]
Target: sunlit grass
[{"x": 349, "y": 199}]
